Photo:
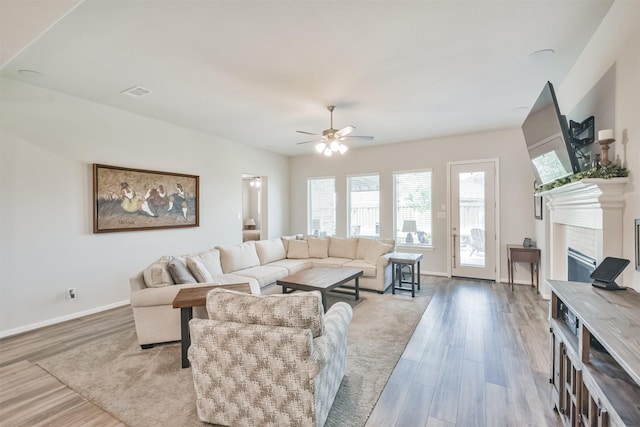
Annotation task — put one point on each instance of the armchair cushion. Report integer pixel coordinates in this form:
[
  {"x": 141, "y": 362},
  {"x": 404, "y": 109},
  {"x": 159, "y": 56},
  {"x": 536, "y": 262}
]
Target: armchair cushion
[{"x": 302, "y": 310}]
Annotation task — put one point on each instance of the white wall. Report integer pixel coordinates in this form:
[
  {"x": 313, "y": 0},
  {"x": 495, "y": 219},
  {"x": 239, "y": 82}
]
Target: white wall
[
  {"x": 48, "y": 143},
  {"x": 516, "y": 185},
  {"x": 616, "y": 42}
]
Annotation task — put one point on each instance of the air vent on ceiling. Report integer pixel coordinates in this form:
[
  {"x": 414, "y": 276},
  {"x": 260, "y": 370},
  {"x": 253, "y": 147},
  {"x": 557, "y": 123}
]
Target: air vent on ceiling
[{"x": 136, "y": 91}]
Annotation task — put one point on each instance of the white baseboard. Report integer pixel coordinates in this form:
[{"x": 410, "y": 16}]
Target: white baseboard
[{"x": 49, "y": 322}]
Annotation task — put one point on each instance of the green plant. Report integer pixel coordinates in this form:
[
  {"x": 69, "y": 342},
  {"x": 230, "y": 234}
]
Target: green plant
[{"x": 611, "y": 171}]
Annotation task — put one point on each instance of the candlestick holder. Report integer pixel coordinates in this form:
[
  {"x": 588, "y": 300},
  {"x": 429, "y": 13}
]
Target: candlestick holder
[{"x": 604, "y": 143}]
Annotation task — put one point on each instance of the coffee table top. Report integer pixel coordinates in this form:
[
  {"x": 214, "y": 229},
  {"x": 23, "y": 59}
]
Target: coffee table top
[
  {"x": 320, "y": 278},
  {"x": 195, "y": 297}
]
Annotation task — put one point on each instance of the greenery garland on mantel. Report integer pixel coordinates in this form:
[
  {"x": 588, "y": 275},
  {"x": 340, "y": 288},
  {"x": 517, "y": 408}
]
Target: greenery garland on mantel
[{"x": 611, "y": 171}]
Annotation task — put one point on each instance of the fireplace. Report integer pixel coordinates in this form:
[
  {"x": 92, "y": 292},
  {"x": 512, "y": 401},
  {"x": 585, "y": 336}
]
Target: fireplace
[{"x": 579, "y": 266}]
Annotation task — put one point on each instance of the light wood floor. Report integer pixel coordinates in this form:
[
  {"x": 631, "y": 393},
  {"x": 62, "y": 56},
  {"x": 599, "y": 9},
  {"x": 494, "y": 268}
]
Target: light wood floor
[{"x": 479, "y": 357}]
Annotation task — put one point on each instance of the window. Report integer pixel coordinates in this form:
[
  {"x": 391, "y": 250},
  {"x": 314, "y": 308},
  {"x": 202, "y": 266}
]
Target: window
[
  {"x": 412, "y": 207},
  {"x": 364, "y": 205},
  {"x": 322, "y": 206}
]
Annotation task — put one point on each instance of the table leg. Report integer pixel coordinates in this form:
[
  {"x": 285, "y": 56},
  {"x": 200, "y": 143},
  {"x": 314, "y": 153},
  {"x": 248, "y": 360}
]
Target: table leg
[
  {"x": 284, "y": 289},
  {"x": 532, "y": 275},
  {"x": 393, "y": 277},
  {"x": 413, "y": 281},
  {"x": 324, "y": 301},
  {"x": 537, "y": 278},
  {"x": 186, "y": 314},
  {"x": 511, "y": 273},
  {"x": 357, "y": 288},
  {"x": 418, "y": 274}
]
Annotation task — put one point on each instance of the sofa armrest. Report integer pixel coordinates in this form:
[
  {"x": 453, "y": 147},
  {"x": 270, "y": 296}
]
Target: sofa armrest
[
  {"x": 328, "y": 345},
  {"x": 136, "y": 283}
]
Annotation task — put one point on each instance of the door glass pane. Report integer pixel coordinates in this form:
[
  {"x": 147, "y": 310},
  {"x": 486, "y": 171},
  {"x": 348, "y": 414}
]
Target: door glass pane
[{"x": 472, "y": 221}]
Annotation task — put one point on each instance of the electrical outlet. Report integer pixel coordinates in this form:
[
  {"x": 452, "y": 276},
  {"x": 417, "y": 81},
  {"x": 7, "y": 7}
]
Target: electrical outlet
[{"x": 71, "y": 293}]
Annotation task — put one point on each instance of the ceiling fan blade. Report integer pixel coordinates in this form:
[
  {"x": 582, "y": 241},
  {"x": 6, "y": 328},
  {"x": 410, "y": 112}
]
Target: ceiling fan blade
[
  {"x": 345, "y": 131},
  {"x": 355, "y": 138},
  {"x": 308, "y": 133},
  {"x": 313, "y": 140}
]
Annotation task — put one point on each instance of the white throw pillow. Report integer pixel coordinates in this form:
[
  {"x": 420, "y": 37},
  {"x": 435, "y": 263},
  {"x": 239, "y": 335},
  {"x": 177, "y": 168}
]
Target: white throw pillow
[
  {"x": 318, "y": 248},
  {"x": 298, "y": 249},
  {"x": 199, "y": 271},
  {"x": 211, "y": 260},
  {"x": 157, "y": 275},
  {"x": 343, "y": 248},
  {"x": 375, "y": 251}
]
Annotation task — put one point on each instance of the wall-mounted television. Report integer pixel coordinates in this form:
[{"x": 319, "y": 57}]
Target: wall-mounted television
[{"x": 548, "y": 140}]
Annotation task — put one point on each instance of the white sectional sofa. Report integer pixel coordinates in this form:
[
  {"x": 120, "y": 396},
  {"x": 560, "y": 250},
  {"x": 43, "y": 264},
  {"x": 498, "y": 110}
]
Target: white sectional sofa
[{"x": 259, "y": 263}]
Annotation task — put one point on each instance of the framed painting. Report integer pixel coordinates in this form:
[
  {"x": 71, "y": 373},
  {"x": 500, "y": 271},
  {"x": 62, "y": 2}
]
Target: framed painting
[
  {"x": 126, "y": 199},
  {"x": 537, "y": 207}
]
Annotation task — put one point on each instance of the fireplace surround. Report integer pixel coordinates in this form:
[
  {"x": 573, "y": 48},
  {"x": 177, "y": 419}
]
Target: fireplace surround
[{"x": 585, "y": 215}]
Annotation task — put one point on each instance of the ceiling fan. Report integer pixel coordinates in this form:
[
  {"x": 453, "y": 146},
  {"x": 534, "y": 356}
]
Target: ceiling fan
[{"x": 332, "y": 140}]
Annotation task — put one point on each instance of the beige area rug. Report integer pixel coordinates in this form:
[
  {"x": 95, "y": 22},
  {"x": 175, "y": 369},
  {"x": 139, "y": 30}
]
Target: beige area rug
[{"x": 148, "y": 387}]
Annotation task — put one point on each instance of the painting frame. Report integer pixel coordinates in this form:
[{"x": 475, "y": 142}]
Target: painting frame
[
  {"x": 537, "y": 207},
  {"x": 637, "y": 233},
  {"x": 129, "y": 199}
]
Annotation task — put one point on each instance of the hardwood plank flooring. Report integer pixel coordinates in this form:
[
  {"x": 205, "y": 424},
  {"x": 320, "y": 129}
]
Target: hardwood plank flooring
[{"x": 477, "y": 358}]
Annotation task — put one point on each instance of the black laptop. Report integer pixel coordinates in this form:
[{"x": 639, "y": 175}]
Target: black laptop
[{"x": 605, "y": 274}]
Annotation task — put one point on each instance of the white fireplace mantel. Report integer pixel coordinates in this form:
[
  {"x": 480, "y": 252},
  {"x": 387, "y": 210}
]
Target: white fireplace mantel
[
  {"x": 595, "y": 204},
  {"x": 586, "y": 203}
]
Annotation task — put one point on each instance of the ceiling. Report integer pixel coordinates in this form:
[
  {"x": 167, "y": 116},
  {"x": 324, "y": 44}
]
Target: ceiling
[{"x": 254, "y": 72}]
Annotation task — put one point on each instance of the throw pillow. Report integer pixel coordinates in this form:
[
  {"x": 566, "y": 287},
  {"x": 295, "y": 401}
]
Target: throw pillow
[
  {"x": 211, "y": 260},
  {"x": 298, "y": 249},
  {"x": 301, "y": 310},
  {"x": 179, "y": 272},
  {"x": 199, "y": 271},
  {"x": 157, "y": 275},
  {"x": 318, "y": 248},
  {"x": 343, "y": 248},
  {"x": 375, "y": 251}
]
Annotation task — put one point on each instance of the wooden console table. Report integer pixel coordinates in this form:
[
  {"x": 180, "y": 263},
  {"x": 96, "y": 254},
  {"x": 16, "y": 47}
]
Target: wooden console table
[
  {"x": 595, "y": 354},
  {"x": 186, "y": 299},
  {"x": 519, "y": 253}
]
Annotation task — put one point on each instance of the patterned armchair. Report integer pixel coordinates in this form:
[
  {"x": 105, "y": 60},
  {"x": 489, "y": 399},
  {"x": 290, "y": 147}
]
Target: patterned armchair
[{"x": 268, "y": 360}]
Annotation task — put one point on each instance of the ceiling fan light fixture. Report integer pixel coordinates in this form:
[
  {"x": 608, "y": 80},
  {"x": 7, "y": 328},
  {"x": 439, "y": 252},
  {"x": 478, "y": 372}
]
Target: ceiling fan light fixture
[
  {"x": 327, "y": 152},
  {"x": 343, "y": 148},
  {"x": 320, "y": 147},
  {"x": 335, "y": 145}
]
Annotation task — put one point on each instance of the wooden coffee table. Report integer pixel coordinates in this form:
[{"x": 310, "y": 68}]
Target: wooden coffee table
[
  {"x": 186, "y": 299},
  {"x": 323, "y": 279}
]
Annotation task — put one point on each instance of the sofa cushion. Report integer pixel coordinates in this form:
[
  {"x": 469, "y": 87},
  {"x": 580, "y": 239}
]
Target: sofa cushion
[
  {"x": 179, "y": 272},
  {"x": 298, "y": 249},
  {"x": 199, "y": 271},
  {"x": 375, "y": 251},
  {"x": 293, "y": 265},
  {"x": 211, "y": 260},
  {"x": 264, "y": 274},
  {"x": 270, "y": 250},
  {"x": 329, "y": 262},
  {"x": 363, "y": 246},
  {"x": 300, "y": 310},
  {"x": 343, "y": 248},
  {"x": 318, "y": 248},
  {"x": 286, "y": 240},
  {"x": 368, "y": 270},
  {"x": 157, "y": 275},
  {"x": 238, "y": 257}
]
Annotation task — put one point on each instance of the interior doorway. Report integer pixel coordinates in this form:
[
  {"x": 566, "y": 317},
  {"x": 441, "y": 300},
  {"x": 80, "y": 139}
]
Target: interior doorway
[
  {"x": 473, "y": 237},
  {"x": 253, "y": 218}
]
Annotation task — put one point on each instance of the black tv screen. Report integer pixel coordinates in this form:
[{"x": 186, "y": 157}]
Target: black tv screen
[{"x": 546, "y": 134}]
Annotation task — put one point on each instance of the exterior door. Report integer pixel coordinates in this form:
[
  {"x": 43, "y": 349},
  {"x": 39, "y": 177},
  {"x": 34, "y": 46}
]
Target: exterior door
[{"x": 473, "y": 219}]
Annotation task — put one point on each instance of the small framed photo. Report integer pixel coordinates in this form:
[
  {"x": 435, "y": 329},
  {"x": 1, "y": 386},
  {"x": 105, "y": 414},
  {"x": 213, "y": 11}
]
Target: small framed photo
[
  {"x": 637, "y": 233},
  {"x": 126, "y": 199},
  {"x": 537, "y": 207}
]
